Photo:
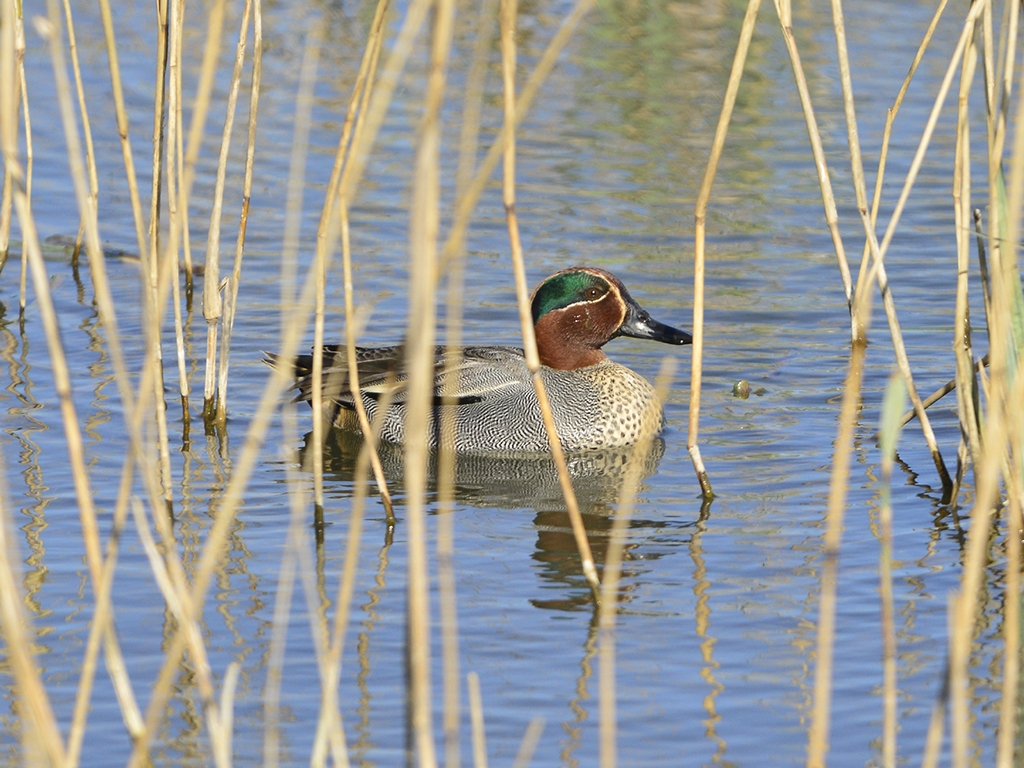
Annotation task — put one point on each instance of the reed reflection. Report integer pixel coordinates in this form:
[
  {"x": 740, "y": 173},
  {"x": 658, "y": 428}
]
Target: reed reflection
[{"x": 14, "y": 352}]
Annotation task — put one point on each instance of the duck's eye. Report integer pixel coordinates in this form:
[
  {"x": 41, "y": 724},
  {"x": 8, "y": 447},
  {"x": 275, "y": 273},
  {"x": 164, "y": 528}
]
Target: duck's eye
[{"x": 593, "y": 292}]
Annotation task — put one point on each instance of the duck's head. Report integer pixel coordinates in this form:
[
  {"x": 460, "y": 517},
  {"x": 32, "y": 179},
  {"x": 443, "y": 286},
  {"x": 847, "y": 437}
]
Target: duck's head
[{"x": 578, "y": 310}]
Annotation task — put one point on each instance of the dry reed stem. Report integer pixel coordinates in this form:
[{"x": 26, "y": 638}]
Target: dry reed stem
[
  {"x": 828, "y": 200},
  {"x": 227, "y": 713},
  {"x": 90, "y": 529},
  {"x": 169, "y": 573},
  {"x": 1003, "y": 423},
  {"x": 700, "y": 216},
  {"x": 23, "y": 89},
  {"x": 883, "y": 282},
  {"x": 101, "y": 629},
  {"x": 286, "y": 573},
  {"x": 275, "y": 387},
  {"x": 1007, "y": 42},
  {"x": 448, "y": 611},
  {"x": 161, "y": 690},
  {"x": 176, "y": 117},
  {"x": 357, "y": 105},
  {"x": 334, "y": 217},
  {"x": 990, "y": 76},
  {"x": 329, "y": 734},
  {"x": 380, "y": 97},
  {"x": 867, "y": 219},
  {"x": 529, "y": 743},
  {"x": 1002, "y": 408},
  {"x": 213, "y": 301},
  {"x": 933, "y": 738},
  {"x": 508, "y": 12},
  {"x": 609, "y": 604},
  {"x": 419, "y": 361},
  {"x": 890, "y": 117},
  {"x": 356, "y": 109},
  {"x": 140, "y": 455},
  {"x": 90, "y": 157},
  {"x": 175, "y": 13},
  {"x": 104, "y": 300},
  {"x": 1015, "y": 187},
  {"x": 1007, "y": 56},
  {"x": 1008, "y": 710},
  {"x": 464, "y": 209},
  {"x": 996, "y": 125},
  {"x": 879, "y": 252},
  {"x": 14, "y": 623},
  {"x": 19, "y": 52},
  {"x": 782, "y": 7},
  {"x": 289, "y": 257},
  {"x": 163, "y": 55},
  {"x": 469, "y": 188},
  {"x": 1002, "y": 413},
  {"x": 62, "y": 384},
  {"x": 204, "y": 89},
  {"x": 316, "y": 394},
  {"x": 476, "y": 718},
  {"x": 853, "y": 138},
  {"x": 330, "y": 667},
  {"x": 469, "y": 139},
  {"x": 967, "y": 402},
  {"x": 330, "y": 660},
  {"x": 940, "y": 99},
  {"x": 352, "y": 131},
  {"x": 170, "y": 578},
  {"x": 818, "y": 734},
  {"x": 271, "y": 699},
  {"x": 1005, "y": 340},
  {"x": 889, "y": 429},
  {"x": 150, "y": 259},
  {"x": 959, "y": 705},
  {"x": 312, "y": 583},
  {"x": 122, "y": 127},
  {"x": 353, "y": 372},
  {"x": 9, "y": 100},
  {"x": 231, "y": 296}
]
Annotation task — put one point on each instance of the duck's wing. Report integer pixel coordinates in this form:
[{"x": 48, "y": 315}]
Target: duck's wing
[
  {"x": 376, "y": 365},
  {"x": 469, "y": 376},
  {"x": 482, "y": 372},
  {"x": 476, "y": 373}
]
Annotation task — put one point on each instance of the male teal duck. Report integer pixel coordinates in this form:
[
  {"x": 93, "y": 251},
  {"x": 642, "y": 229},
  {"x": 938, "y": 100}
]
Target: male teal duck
[{"x": 596, "y": 403}]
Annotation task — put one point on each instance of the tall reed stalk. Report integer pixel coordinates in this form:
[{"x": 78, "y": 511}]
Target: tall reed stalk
[{"x": 419, "y": 362}]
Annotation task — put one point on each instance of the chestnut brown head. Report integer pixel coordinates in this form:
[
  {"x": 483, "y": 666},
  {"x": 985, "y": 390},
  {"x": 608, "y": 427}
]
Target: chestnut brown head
[{"x": 578, "y": 310}]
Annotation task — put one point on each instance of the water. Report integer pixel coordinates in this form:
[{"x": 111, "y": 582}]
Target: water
[{"x": 717, "y": 630}]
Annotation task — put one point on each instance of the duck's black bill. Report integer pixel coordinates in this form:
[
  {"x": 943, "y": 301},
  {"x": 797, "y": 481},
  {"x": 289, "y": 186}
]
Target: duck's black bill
[{"x": 640, "y": 325}]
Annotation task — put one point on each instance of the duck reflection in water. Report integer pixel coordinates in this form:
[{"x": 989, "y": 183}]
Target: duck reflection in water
[{"x": 521, "y": 482}]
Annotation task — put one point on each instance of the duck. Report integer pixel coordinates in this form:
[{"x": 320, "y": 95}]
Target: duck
[{"x": 596, "y": 403}]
